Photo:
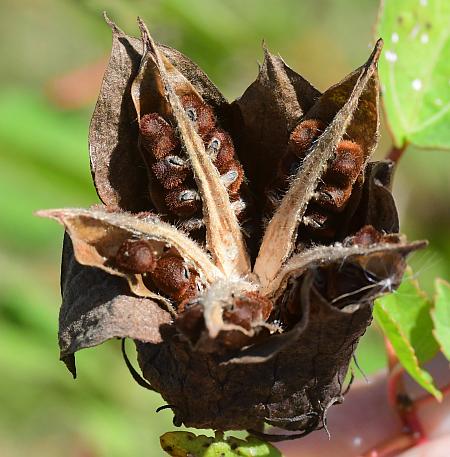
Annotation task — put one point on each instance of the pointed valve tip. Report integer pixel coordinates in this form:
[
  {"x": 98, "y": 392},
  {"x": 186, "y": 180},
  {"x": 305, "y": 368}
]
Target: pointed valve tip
[
  {"x": 373, "y": 59},
  {"x": 111, "y": 23}
]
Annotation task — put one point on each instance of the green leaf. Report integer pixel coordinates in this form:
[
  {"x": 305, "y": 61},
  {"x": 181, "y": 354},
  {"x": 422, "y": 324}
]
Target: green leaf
[
  {"x": 415, "y": 70},
  {"x": 410, "y": 309},
  {"x": 186, "y": 444},
  {"x": 404, "y": 316},
  {"x": 441, "y": 316}
]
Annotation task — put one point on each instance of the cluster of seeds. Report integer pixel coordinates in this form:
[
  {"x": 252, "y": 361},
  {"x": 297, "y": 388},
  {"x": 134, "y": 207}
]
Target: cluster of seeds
[
  {"x": 174, "y": 278},
  {"x": 333, "y": 192},
  {"x": 171, "y": 275},
  {"x": 174, "y": 190}
]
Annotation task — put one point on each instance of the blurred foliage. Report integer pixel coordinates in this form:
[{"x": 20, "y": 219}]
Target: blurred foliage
[{"x": 53, "y": 52}]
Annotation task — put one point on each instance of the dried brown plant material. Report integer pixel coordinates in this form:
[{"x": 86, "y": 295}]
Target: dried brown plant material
[{"x": 259, "y": 310}]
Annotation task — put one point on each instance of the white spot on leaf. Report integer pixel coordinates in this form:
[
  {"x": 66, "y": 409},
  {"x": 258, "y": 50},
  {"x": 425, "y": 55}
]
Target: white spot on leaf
[
  {"x": 438, "y": 102},
  {"x": 424, "y": 2},
  {"x": 414, "y": 31},
  {"x": 391, "y": 56},
  {"x": 424, "y": 38},
  {"x": 417, "y": 84},
  {"x": 395, "y": 37}
]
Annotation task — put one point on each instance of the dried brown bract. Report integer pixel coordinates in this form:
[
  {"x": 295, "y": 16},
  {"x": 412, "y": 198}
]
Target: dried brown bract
[{"x": 258, "y": 303}]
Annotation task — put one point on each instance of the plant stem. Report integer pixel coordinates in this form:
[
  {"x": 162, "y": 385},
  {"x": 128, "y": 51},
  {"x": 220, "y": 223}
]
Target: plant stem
[
  {"x": 412, "y": 433},
  {"x": 431, "y": 398},
  {"x": 396, "y": 153},
  {"x": 391, "y": 447}
]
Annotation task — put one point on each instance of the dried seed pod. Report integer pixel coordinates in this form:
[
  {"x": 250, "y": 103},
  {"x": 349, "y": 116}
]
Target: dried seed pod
[
  {"x": 216, "y": 335},
  {"x": 157, "y": 136},
  {"x": 171, "y": 171},
  {"x": 135, "y": 256},
  {"x": 183, "y": 202},
  {"x": 199, "y": 113}
]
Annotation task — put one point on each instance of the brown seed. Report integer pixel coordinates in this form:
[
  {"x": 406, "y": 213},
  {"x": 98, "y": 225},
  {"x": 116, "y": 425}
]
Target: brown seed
[
  {"x": 248, "y": 308},
  {"x": 303, "y": 136},
  {"x": 366, "y": 236},
  {"x": 232, "y": 176},
  {"x": 171, "y": 171},
  {"x": 332, "y": 197},
  {"x": 200, "y": 114},
  {"x": 183, "y": 201},
  {"x": 172, "y": 276},
  {"x": 135, "y": 256},
  {"x": 219, "y": 147},
  {"x": 300, "y": 141},
  {"x": 157, "y": 135},
  {"x": 346, "y": 165},
  {"x": 319, "y": 221}
]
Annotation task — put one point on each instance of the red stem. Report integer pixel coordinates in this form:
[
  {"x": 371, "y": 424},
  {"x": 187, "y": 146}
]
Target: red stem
[
  {"x": 396, "y": 153},
  {"x": 391, "y": 447},
  {"x": 419, "y": 402},
  {"x": 413, "y": 433}
]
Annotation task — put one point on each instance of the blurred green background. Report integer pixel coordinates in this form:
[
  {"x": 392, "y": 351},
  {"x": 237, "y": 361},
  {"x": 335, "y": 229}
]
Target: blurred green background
[{"x": 53, "y": 54}]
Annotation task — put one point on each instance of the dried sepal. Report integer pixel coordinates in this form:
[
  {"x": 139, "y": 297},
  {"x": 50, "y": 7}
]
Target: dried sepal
[
  {"x": 97, "y": 306},
  {"x": 377, "y": 206},
  {"x": 291, "y": 395},
  {"x": 116, "y": 168}
]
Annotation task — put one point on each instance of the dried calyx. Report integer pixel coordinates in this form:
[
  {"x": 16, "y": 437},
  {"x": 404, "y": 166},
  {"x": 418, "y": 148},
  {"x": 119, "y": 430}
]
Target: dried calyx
[{"x": 251, "y": 279}]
